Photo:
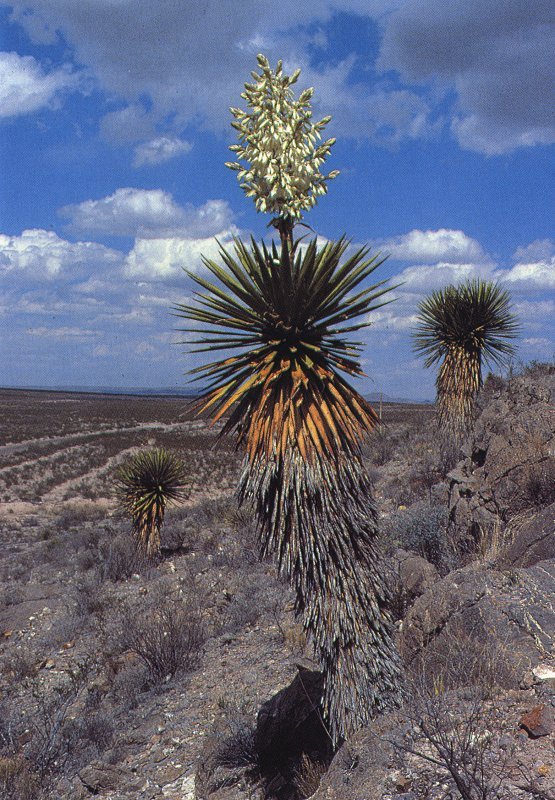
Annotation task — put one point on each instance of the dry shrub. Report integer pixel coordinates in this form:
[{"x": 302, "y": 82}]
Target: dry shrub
[
  {"x": 20, "y": 663},
  {"x": 451, "y": 711},
  {"x": 463, "y": 658},
  {"x": 17, "y": 781},
  {"x": 230, "y": 755},
  {"x": 235, "y": 736},
  {"x": 166, "y": 639},
  {"x": 540, "y": 483},
  {"x": 381, "y": 446},
  {"x": 89, "y": 595},
  {"x": 451, "y": 737},
  {"x": 120, "y": 559},
  {"x": 422, "y": 528},
  {"x": 490, "y": 540},
  {"x": 45, "y": 725}
]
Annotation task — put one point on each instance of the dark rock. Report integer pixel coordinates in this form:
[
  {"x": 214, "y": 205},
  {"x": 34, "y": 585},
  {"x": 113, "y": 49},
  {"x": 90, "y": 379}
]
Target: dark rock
[
  {"x": 416, "y": 575},
  {"x": 101, "y": 777},
  {"x": 533, "y": 542},
  {"x": 540, "y": 721}
]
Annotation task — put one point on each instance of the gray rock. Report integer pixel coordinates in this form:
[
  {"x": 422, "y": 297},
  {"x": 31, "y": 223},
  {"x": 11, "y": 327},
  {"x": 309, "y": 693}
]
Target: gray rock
[
  {"x": 513, "y": 444},
  {"x": 478, "y": 620},
  {"x": 416, "y": 575},
  {"x": 363, "y": 764},
  {"x": 101, "y": 777},
  {"x": 533, "y": 542}
]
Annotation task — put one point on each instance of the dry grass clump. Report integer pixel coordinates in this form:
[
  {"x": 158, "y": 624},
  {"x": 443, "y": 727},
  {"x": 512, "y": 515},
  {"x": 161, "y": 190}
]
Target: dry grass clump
[{"x": 540, "y": 483}]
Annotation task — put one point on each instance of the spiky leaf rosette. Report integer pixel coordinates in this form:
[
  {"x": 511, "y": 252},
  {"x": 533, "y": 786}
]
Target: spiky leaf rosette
[
  {"x": 146, "y": 484},
  {"x": 301, "y": 424},
  {"x": 289, "y": 320},
  {"x": 463, "y": 327}
]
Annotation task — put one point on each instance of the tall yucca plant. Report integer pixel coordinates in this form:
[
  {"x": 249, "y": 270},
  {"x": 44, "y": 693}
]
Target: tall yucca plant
[
  {"x": 284, "y": 317},
  {"x": 463, "y": 327},
  {"x": 301, "y": 424},
  {"x": 145, "y": 484}
]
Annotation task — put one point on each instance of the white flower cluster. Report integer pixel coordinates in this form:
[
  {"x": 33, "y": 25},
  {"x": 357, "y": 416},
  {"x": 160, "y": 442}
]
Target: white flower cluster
[{"x": 281, "y": 144}]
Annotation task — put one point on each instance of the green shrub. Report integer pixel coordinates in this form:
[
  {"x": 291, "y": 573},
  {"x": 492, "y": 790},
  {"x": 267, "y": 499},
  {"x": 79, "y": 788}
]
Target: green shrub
[{"x": 421, "y": 528}]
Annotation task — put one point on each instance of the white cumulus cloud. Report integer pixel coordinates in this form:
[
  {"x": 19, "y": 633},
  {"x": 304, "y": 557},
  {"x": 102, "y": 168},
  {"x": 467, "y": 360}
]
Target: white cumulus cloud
[
  {"x": 540, "y": 274},
  {"x": 25, "y": 87},
  {"x": 44, "y": 255},
  {"x": 159, "y": 150},
  {"x": 535, "y": 251},
  {"x": 447, "y": 246},
  {"x": 148, "y": 213},
  {"x": 165, "y": 259}
]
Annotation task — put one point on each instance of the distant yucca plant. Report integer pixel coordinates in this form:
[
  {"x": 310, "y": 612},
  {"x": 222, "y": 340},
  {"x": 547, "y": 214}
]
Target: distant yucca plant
[
  {"x": 464, "y": 326},
  {"x": 145, "y": 484}
]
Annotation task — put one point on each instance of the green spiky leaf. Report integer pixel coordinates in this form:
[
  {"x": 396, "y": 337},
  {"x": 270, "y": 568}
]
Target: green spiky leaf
[{"x": 288, "y": 318}]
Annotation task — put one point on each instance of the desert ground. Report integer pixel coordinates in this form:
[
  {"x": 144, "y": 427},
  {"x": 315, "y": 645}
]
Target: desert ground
[{"x": 126, "y": 679}]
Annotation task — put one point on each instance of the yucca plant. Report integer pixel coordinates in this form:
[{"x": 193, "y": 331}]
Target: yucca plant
[
  {"x": 464, "y": 327},
  {"x": 146, "y": 484},
  {"x": 283, "y": 315},
  {"x": 301, "y": 424}
]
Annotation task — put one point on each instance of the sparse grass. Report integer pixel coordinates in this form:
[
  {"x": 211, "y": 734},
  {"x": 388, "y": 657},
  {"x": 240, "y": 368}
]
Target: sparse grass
[{"x": 308, "y": 775}]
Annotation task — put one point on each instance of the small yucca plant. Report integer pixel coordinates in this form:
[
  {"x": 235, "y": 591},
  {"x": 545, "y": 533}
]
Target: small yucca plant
[
  {"x": 463, "y": 327},
  {"x": 146, "y": 484}
]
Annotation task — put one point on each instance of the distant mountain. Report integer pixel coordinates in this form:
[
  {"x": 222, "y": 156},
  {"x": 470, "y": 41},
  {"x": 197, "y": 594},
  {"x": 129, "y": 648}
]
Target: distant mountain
[
  {"x": 375, "y": 397},
  {"x": 172, "y": 391},
  {"x": 139, "y": 391}
]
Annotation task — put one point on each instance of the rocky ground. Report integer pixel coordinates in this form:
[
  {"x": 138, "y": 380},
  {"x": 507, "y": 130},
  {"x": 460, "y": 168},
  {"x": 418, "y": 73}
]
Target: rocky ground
[{"x": 192, "y": 679}]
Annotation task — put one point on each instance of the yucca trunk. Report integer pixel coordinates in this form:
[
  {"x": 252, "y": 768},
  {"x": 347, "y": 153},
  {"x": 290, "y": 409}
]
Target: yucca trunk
[
  {"x": 458, "y": 382},
  {"x": 146, "y": 529},
  {"x": 319, "y": 521}
]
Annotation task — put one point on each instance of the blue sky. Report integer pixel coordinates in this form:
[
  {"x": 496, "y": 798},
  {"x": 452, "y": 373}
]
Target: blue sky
[{"x": 114, "y": 128}]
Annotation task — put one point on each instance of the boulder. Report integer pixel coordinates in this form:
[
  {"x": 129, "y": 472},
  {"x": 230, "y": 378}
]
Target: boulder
[
  {"x": 540, "y": 721},
  {"x": 534, "y": 541},
  {"x": 509, "y": 463},
  {"x": 99, "y": 777},
  {"x": 416, "y": 575},
  {"x": 482, "y": 624},
  {"x": 364, "y": 765}
]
